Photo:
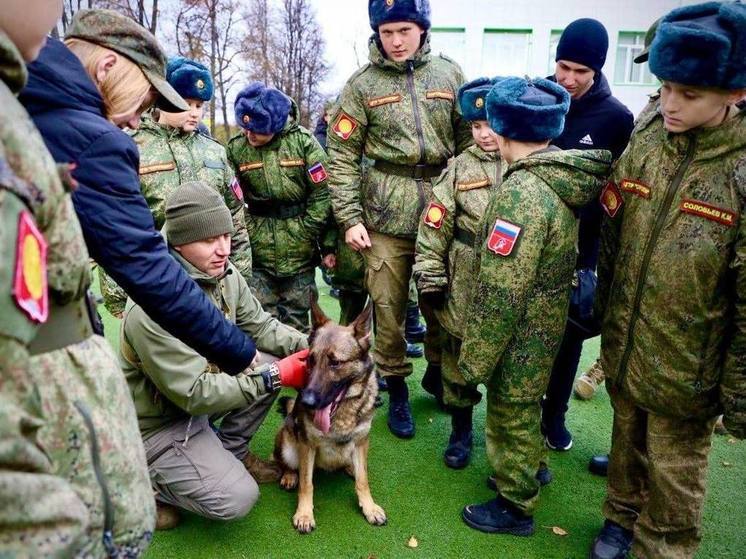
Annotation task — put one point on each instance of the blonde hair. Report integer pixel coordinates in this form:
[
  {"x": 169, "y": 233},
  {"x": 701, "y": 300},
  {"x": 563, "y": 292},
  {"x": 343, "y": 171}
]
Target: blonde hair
[{"x": 125, "y": 86}]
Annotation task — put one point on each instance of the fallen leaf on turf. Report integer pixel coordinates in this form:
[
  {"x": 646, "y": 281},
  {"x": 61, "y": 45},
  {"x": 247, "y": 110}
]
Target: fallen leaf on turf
[
  {"x": 727, "y": 464},
  {"x": 413, "y": 542},
  {"x": 430, "y": 420},
  {"x": 557, "y": 531},
  {"x": 732, "y": 441}
]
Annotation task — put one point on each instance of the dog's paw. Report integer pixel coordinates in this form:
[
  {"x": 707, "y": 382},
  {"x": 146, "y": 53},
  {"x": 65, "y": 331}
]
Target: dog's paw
[
  {"x": 375, "y": 515},
  {"x": 304, "y": 522},
  {"x": 289, "y": 480}
]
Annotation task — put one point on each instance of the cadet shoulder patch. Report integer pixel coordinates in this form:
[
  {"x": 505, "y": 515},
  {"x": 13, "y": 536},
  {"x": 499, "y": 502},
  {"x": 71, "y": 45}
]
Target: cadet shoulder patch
[
  {"x": 503, "y": 237},
  {"x": 30, "y": 276},
  {"x": 611, "y": 199},
  {"x": 156, "y": 167},
  {"x": 317, "y": 173},
  {"x": 707, "y": 211},
  {"x": 636, "y": 187},
  {"x": 434, "y": 215},
  {"x": 440, "y": 94},
  {"x": 292, "y": 163},
  {"x": 250, "y": 166},
  {"x": 471, "y": 185},
  {"x": 385, "y": 100},
  {"x": 236, "y": 189},
  {"x": 344, "y": 126}
]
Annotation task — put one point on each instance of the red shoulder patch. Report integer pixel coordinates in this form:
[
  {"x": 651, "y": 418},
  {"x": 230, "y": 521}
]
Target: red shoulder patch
[
  {"x": 30, "y": 276},
  {"x": 503, "y": 237},
  {"x": 317, "y": 173},
  {"x": 344, "y": 126},
  {"x": 611, "y": 199},
  {"x": 236, "y": 189},
  {"x": 434, "y": 215}
]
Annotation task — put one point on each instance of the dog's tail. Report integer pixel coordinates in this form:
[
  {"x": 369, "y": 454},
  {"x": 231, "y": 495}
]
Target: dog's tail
[{"x": 285, "y": 405}]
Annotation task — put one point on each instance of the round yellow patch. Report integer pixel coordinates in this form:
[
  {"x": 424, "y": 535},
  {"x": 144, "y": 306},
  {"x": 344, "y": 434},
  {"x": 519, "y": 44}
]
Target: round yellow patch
[
  {"x": 479, "y": 103},
  {"x": 32, "y": 272},
  {"x": 344, "y": 126},
  {"x": 435, "y": 214},
  {"x": 200, "y": 84},
  {"x": 389, "y": 3},
  {"x": 610, "y": 201},
  {"x": 246, "y": 119}
]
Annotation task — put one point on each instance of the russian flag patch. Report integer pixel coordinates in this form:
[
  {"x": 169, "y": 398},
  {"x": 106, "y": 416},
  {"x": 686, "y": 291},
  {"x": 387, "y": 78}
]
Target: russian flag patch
[
  {"x": 503, "y": 237},
  {"x": 318, "y": 173},
  {"x": 236, "y": 189}
]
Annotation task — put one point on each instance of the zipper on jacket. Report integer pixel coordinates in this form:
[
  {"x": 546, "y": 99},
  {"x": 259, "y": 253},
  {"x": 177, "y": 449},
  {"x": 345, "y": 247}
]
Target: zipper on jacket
[
  {"x": 420, "y": 136},
  {"x": 108, "y": 536},
  {"x": 657, "y": 227}
]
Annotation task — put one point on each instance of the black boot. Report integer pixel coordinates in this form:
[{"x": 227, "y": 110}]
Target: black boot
[
  {"x": 458, "y": 451},
  {"x": 613, "y": 542},
  {"x": 599, "y": 465},
  {"x": 400, "y": 422},
  {"x": 432, "y": 382},
  {"x": 414, "y": 332}
]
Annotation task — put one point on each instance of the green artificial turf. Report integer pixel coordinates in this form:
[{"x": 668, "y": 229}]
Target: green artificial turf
[{"x": 423, "y": 498}]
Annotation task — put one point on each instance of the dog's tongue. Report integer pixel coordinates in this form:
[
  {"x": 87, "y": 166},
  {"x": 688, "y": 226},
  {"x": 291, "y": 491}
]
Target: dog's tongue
[{"x": 323, "y": 419}]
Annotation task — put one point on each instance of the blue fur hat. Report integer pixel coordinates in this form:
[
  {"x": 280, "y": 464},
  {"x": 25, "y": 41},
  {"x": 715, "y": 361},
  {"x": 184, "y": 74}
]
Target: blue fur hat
[
  {"x": 702, "y": 45},
  {"x": 386, "y": 11},
  {"x": 262, "y": 109},
  {"x": 189, "y": 78},
  {"x": 471, "y": 98},
  {"x": 527, "y": 110}
]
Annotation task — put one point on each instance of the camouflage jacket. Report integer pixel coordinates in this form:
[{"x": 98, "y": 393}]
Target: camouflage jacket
[
  {"x": 74, "y": 467},
  {"x": 402, "y": 113},
  {"x": 671, "y": 288},
  {"x": 288, "y": 172},
  {"x": 525, "y": 268},
  {"x": 169, "y": 380},
  {"x": 444, "y": 257}
]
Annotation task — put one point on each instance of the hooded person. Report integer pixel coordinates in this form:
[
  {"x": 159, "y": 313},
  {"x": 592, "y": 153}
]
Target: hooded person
[
  {"x": 525, "y": 251},
  {"x": 400, "y": 111},
  {"x": 173, "y": 151},
  {"x": 672, "y": 337},
  {"x": 281, "y": 171}
]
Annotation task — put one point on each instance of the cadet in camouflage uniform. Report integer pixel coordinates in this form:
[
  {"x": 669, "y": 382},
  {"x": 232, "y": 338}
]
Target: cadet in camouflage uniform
[
  {"x": 88, "y": 430},
  {"x": 400, "y": 111},
  {"x": 174, "y": 151},
  {"x": 444, "y": 258},
  {"x": 178, "y": 394},
  {"x": 672, "y": 286},
  {"x": 280, "y": 168},
  {"x": 520, "y": 300}
]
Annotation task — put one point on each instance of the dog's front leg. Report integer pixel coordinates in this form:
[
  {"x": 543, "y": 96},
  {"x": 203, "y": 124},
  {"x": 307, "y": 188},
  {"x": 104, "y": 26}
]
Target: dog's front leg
[
  {"x": 303, "y": 519},
  {"x": 373, "y": 513}
]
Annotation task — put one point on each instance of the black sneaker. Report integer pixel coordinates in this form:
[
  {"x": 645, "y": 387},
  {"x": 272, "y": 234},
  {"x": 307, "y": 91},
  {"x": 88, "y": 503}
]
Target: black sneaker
[
  {"x": 458, "y": 451},
  {"x": 414, "y": 351},
  {"x": 599, "y": 465},
  {"x": 498, "y": 516},
  {"x": 556, "y": 435},
  {"x": 401, "y": 423},
  {"x": 543, "y": 476},
  {"x": 612, "y": 542}
]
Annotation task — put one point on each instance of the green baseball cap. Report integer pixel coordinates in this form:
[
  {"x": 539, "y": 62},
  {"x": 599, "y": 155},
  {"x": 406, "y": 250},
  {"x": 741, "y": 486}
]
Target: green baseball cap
[
  {"x": 649, "y": 36},
  {"x": 125, "y": 36}
]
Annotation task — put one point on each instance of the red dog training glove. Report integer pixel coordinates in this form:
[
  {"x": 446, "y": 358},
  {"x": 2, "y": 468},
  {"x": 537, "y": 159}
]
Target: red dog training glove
[{"x": 294, "y": 369}]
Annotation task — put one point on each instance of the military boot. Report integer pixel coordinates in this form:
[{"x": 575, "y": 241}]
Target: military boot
[
  {"x": 498, "y": 516},
  {"x": 613, "y": 542},
  {"x": 263, "y": 471},
  {"x": 588, "y": 382},
  {"x": 458, "y": 451},
  {"x": 432, "y": 382},
  {"x": 166, "y": 516},
  {"x": 400, "y": 422},
  {"x": 414, "y": 332}
]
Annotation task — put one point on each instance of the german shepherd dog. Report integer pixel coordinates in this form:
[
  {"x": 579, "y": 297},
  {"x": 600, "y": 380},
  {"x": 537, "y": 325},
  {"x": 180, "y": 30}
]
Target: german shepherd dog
[{"x": 327, "y": 426}]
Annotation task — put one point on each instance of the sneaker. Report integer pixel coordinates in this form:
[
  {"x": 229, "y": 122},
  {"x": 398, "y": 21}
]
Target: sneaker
[
  {"x": 401, "y": 423},
  {"x": 599, "y": 465},
  {"x": 414, "y": 351},
  {"x": 166, "y": 516},
  {"x": 498, "y": 516},
  {"x": 263, "y": 471},
  {"x": 556, "y": 435},
  {"x": 612, "y": 542},
  {"x": 458, "y": 451},
  {"x": 543, "y": 476},
  {"x": 587, "y": 383}
]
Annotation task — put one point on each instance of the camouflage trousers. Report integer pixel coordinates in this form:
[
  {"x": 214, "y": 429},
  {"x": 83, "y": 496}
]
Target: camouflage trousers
[
  {"x": 515, "y": 448},
  {"x": 387, "y": 277},
  {"x": 657, "y": 478},
  {"x": 457, "y": 393},
  {"x": 288, "y": 299},
  {"x": 93, "y": 440}
]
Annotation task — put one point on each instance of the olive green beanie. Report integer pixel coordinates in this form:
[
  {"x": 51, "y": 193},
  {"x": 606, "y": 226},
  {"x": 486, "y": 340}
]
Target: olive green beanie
[{"x": 195, "y": 212}]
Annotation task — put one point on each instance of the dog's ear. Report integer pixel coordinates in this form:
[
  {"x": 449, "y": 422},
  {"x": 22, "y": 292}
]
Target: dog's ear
[
  {"x": 361, "y": 326},
  {"x": 318, "y": 318}
]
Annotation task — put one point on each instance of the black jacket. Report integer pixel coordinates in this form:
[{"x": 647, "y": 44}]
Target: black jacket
[
  {"x": 597, "y": 120},
  {"x": 115, "y": 219}
]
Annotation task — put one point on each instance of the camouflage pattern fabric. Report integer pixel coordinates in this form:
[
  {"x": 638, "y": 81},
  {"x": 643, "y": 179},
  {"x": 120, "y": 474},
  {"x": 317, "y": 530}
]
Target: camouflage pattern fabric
[
  {"x": 286, "y": 299},
  {"x": 526, "y": 251},
  {"x": 671, "y": 287},
  {"x": 403, "y": 113},
  {"x": 446, "y": 263},
  {"x": 54, "y": 404},
  {"x": 170, "y": 157},
  {"x": 289, "y": 170}
]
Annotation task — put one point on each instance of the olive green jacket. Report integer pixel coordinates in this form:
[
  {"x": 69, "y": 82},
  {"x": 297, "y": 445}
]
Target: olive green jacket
[
  {"x": 403, "y": 113},
  {"x": 518, "y": 309},
  {"x": 443, "y": 260},
  {"x": 170, "y": 381},
  {"x": 280, "y": 173},
  {"x": 671, "y": 286}
]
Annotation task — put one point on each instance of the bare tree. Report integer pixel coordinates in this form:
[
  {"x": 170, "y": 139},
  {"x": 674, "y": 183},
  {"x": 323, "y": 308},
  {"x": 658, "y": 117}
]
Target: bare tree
[{"x": 142, "y": 11}]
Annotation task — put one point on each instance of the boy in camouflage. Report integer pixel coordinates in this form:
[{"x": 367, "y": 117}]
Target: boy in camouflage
[
  {"x": 280, "y": 168},
  {"x": 174, "y": 151},
  {"x": 179, "y": 395},
  {"x": 444, "y": 255},
  {"x": 520, "y": 300},
  {"x": 672, "y": 291}
]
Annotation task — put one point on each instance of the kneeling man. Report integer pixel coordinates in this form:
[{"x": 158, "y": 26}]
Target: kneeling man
[{"x": 196, "y": 420}]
